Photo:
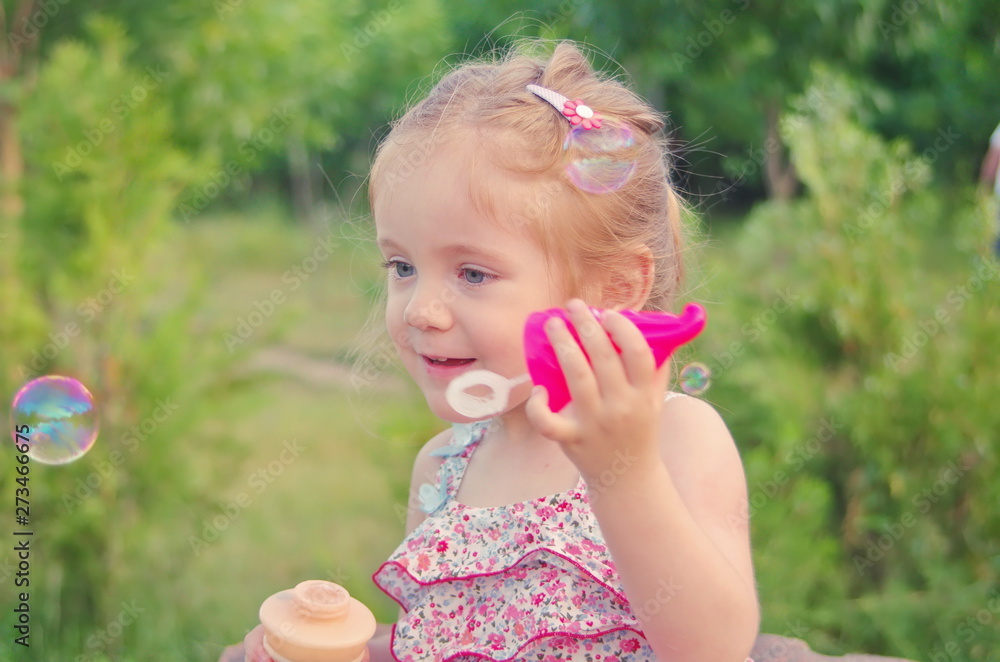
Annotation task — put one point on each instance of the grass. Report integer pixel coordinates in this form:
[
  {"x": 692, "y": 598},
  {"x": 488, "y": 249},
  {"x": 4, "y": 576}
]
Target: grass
[{"x": 320, "y": 468}]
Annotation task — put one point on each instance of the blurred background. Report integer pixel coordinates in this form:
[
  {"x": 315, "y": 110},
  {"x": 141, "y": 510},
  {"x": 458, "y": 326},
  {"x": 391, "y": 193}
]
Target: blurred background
[{"x": 183, "y": 228}]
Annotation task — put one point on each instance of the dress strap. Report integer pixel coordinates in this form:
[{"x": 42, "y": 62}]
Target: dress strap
[{"x": 465, "y": 437}]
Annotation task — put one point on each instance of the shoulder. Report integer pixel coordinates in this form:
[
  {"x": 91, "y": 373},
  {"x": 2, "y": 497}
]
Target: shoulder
[
  {"x": 700, "y": 453},
  {"x": 426, "y": 465},
  {"x": 425, "y": 469},
  {"x": 682, "y": 414}
]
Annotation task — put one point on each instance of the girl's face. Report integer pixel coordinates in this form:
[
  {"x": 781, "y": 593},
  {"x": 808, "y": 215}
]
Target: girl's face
[{"x": 459, "y": 287}]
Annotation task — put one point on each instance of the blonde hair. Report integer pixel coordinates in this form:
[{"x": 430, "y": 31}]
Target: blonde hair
[{"x": 520, "y": 134}]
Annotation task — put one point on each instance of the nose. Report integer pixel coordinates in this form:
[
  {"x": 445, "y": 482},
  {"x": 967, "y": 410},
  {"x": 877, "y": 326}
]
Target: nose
[{"x": 429, "y": 307}]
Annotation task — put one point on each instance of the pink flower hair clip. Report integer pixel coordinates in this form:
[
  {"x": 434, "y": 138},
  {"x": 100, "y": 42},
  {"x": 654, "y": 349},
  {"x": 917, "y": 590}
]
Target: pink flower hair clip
[{"x": 577, "y": 112}]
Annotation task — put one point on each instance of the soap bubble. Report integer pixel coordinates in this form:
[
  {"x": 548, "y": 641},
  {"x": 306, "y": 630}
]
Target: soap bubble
[
  {"x": 600, "y": 160},
  {"x": 695, "y": 378},
  {"x": 61, "y": 419}
]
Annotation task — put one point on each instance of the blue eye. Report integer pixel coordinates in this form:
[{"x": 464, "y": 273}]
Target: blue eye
[
  {"x": 474, "y": 276},
  {"x": 401, "y": 269}
]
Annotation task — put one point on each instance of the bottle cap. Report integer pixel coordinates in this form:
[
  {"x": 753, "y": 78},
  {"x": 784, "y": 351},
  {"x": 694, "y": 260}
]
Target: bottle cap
[{"x": 317, "y": 621}]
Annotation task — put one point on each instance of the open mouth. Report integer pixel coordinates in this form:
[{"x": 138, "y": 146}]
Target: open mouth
[{"x": 447, "y": 362}]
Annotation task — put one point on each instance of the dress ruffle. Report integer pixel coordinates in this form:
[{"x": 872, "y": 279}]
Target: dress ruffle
[
  {"x": 527, "y": 581},
  {"x": 567, "y": 609},
  {"x": 433, "y": 553}
]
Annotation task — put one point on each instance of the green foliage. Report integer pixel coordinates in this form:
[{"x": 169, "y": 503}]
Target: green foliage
[
  {"x": 97, "y": 258},
  {"x": 98, "y": 193},
  {"x": 723, "y": 69},
  {"x": 861, "y": 386},
  {"x": 854, "y": 345},
  {"x": 257, "y": 85}
]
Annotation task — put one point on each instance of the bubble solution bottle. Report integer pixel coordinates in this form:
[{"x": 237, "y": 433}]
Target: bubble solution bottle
[{"x": 317, "y": 621}]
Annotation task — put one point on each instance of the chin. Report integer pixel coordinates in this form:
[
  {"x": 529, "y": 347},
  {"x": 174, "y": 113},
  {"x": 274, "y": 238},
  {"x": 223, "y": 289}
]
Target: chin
[
  {"x": 449, "y": 415},
  {"x": 439, "y": 407}
]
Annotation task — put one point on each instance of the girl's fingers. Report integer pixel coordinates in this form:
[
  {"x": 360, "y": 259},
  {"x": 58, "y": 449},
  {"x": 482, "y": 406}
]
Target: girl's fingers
[
  {"x": 549, "y": 424},
  {"x": 233, "y": 653},
  {"x": 636, "y": 356},
  {"x": 253, "y": 645},
  {"x": 573, "y": 363},
  {"x": 605, "y": 363}
]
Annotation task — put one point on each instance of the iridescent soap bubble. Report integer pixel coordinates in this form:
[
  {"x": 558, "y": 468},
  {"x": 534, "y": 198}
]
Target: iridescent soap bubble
[
  {"x": 600, "y": 160},
  {"x": 61, "y": 419},
  {"x": 695, "y": 378}
]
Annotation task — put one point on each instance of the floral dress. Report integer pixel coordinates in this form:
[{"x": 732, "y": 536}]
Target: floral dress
[{"x": 526, "y": 581}]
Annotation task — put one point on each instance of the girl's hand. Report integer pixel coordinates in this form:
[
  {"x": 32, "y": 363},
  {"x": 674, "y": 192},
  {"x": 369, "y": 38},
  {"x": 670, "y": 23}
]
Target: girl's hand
[
  {"x": 232, "y": 653},
  {"x": 612, "y": 421},
  {"x": 251, "y": 650}
]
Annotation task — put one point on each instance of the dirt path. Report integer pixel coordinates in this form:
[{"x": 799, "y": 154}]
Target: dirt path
[{"x": 288, "y": 362}]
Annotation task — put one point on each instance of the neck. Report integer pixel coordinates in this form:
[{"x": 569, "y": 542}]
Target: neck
[{"x": 515, "y": 431}]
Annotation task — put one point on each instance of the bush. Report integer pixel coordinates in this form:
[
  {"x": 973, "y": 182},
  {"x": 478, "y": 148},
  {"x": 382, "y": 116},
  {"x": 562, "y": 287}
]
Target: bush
[
  {"x": 106, "y": 298},
  {"x": 856, "y": 358}
]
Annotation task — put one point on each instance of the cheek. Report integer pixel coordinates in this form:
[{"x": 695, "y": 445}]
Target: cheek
[
  {"x": 502, "y": 336},
  {"x": 395, "y": 304},
  {"x": 394, "y": 323}
]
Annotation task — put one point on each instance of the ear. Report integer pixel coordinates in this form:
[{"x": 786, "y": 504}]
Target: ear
[{"x": 629, "y": 286}]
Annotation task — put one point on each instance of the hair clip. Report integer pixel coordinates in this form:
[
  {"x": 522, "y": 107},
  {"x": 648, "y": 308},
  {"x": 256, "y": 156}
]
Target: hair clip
[
  {"x": 594, "y": 161},
  {"x": 577, "y": 112}
]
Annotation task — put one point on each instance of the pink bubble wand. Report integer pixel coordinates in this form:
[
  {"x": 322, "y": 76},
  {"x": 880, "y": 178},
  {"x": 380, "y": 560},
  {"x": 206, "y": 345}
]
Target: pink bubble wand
[{"x": 664, "y": 332}]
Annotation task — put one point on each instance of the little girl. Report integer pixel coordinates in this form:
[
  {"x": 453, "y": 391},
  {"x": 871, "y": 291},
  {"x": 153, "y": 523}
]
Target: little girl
[{"x": 615, "y": 528}]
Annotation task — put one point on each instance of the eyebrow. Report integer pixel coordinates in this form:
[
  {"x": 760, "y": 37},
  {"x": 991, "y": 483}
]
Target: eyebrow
[{"x": 451, "y": 249}]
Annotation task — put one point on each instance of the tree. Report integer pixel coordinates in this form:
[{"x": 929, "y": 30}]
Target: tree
[
  {"x": 105, "y": 147},
  {"x": 725, "y": 70}
]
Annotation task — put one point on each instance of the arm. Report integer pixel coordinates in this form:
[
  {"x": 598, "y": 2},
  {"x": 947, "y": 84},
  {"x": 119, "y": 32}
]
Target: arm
[
  {"x": 684, "y": 555},
  {"x": 665, "y": 484}
]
